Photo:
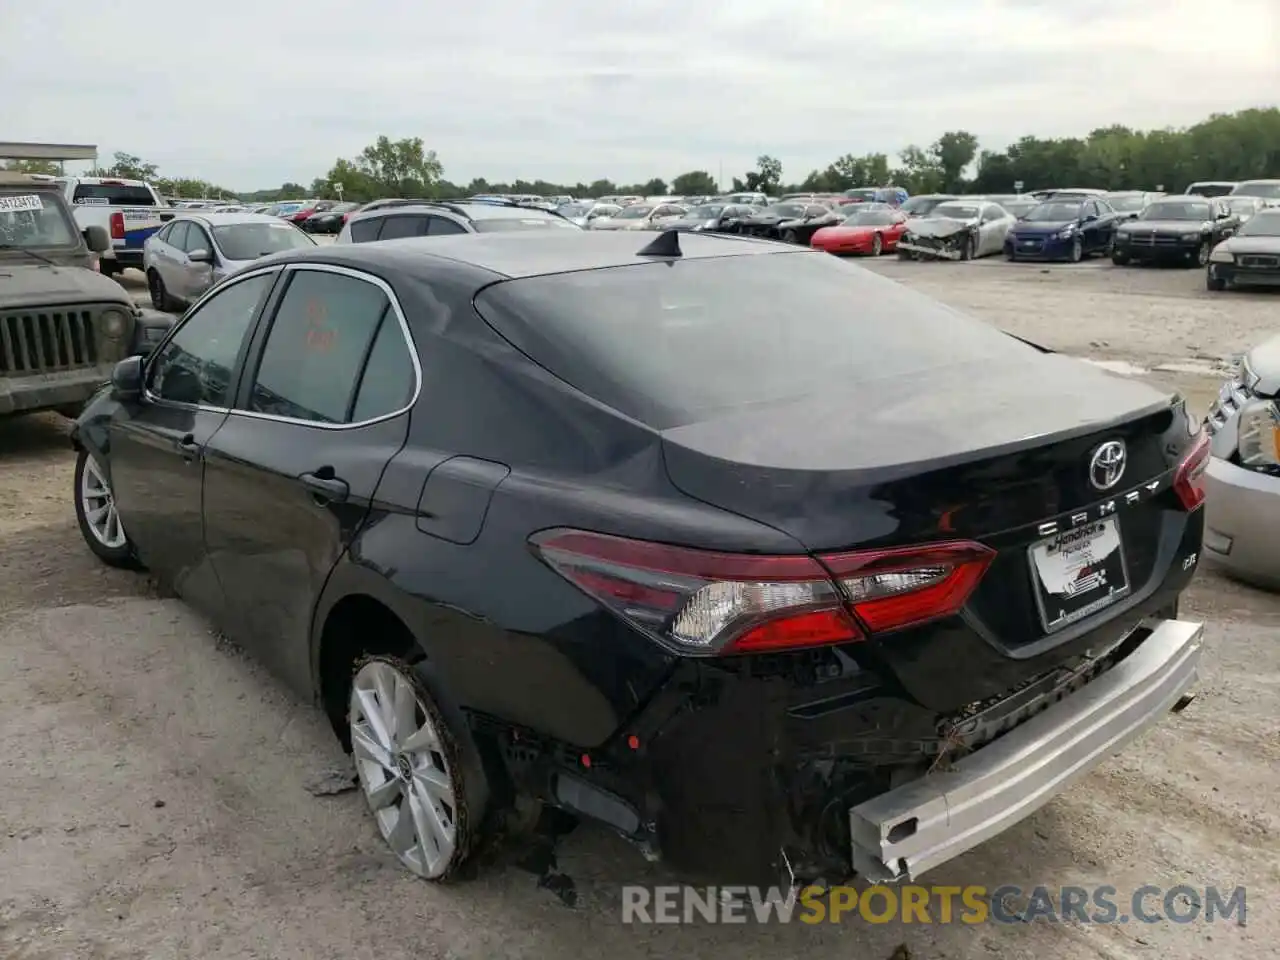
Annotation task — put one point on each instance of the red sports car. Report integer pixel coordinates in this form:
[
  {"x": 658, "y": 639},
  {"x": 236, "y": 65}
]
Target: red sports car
[{"x": 870, "y": 232}]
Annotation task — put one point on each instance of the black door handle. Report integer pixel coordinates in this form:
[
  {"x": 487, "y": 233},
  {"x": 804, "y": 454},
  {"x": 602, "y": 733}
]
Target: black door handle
[
  {"x": 188, "y": 447},
  {"x": 325, "y": 487}
]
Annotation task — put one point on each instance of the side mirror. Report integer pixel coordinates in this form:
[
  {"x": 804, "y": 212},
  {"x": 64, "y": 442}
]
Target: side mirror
[
  {"x": 97, "y": 238},
  {"x": 126, "y": 379},
  {"x": 200, "y": 255},
  {"x": 1089, "y": 218}
]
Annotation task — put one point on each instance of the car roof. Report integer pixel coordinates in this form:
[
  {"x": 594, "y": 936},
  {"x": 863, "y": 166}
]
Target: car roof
[
  {"x": 226, "y": 219},
  {"x": 520, "y": 254}
]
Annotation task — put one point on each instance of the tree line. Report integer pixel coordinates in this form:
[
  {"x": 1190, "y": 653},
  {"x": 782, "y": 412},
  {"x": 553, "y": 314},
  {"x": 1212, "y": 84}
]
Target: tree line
[{"x": 1232, "y": 146}]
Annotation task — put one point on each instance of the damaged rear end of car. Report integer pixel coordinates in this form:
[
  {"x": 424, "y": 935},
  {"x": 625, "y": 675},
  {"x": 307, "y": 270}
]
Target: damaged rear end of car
[{"x": 963, "y": 591}]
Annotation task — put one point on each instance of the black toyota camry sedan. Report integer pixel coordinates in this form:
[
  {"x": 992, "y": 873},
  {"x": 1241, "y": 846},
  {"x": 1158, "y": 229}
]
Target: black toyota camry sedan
[{"x": 768, "y": 563}]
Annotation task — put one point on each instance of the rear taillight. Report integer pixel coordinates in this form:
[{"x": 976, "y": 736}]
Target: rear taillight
[
  {"x": 705, "y": 603},
  {"x": 1188, "y": 481},
  {"x": 117, "y": 226}
]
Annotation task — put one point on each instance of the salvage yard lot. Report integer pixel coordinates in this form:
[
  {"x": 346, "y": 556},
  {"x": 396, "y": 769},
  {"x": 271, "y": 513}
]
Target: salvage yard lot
[{"x": 154, "y": 801}]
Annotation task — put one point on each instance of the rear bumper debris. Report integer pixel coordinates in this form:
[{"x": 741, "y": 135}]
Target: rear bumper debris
[{"x": 911, "y": 829}]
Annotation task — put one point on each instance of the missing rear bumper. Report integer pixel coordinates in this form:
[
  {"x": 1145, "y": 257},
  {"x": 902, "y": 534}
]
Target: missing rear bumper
[{"x": 911, "y": 829}]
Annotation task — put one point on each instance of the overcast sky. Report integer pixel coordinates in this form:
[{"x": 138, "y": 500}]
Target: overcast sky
[{"x": 251, "y": 93}]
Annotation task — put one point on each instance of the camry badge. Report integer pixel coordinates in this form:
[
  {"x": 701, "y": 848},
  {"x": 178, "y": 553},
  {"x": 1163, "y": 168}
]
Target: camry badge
[{"x": 1106, "y": 467}]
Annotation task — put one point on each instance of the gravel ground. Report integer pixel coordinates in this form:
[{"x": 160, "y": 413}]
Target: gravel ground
[{"x": 155, "y": 800}]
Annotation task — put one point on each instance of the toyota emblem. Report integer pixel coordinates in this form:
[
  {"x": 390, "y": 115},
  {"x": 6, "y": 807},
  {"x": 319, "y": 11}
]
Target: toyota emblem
[{"x": 1106, "y": 467}]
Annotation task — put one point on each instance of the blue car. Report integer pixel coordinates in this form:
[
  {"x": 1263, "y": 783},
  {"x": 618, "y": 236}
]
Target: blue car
[{"x": 1064, "y": 229}]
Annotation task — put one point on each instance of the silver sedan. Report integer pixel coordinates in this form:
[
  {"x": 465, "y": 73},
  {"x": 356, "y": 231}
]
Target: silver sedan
[{"x": 196, "y": 250}]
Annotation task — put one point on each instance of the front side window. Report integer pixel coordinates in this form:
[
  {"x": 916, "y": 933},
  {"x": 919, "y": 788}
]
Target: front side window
[
  {"x": 197, "y": 362},
  {"x": 320, "y": 339}
]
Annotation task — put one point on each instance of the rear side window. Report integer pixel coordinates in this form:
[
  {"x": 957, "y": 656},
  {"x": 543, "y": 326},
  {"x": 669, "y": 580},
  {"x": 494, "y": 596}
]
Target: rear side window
[
  {"x": 363, "y": 231},
  {"x": 675, "y": 343},
  {"x": 112, "y": 194},
  {"x": 442, "y": 226},
  {"x": 404, "y": 225},
  {"x": 314, "y": 356}
]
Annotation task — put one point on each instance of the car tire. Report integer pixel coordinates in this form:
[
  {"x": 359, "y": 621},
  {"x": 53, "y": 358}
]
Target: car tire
[
  {"x": 790, "y": 236},
  {"x": 96, "y": 514},
  {"x": 906, "y": 255},
  {"x": 160, "y": 298},
  {"x": 1202, "y": 254},
  {"x": 877, "y": 245},
  {"x": 1119, "y": 259},
  {"x": 1216, "y": 284},
  {"x": 430, "y": 774},
  {"x": 1111, "y": 246},
  {"x": 970, "y": 249},
  {"x": 1077, "y": 249},
  {"x": 1010, "y": 255}
]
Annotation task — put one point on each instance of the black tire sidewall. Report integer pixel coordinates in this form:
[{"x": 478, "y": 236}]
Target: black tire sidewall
[
  {"x": 113, "y": 556},
  {"x": 1077, "y": 250},
  {"x": 473, "y": 793}
]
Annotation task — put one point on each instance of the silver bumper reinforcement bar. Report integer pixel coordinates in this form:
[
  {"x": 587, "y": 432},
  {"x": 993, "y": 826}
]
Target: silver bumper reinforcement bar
[{"x": 915, "y": 827}]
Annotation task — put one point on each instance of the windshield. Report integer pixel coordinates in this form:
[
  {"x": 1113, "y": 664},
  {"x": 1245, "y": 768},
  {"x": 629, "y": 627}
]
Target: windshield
[
  {"x": 248, "y": 241},
  {"x": 865, "y": 193},
  {"x": 113, "y": 194},
  {"x": 683, "y": 341},
  {"x": 869, "y": 218},
  {"x": 1053, "y": 212},
  {"x": 922, "y": 205},
  {"x": 510, "y": 224},
  {"x": 1177, "y": 210},
  {"x": 706, "y": 212},
  {"x": 637, "y": 211},
  {"x": 34, "y": 220},
  {"x": 1264, "y": 224},
  {"x": 956, "y": 211},
  {"x": 572, "y": 210},
  {"x": 1259, "y": 188},
  {"x": 1019, "y": 207},
  {"x": 1128, "y": 204},
  {"x": 790, "y": 211}
]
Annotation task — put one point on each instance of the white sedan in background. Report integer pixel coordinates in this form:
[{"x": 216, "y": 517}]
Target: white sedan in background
[{"x": 196, "y": 250}]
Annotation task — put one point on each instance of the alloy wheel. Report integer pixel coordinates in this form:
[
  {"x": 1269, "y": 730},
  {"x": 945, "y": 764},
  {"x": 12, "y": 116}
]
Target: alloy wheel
[
  {"x": 402, "y": 767},
  {"x": 1077, "y": 250},
  {"x": 877, "y": 245},
  {"x": 99, "y": 507},
  {"x": 1202, "y": 255}
]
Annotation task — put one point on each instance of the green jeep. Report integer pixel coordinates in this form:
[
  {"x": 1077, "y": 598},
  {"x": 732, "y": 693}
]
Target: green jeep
[{"x": 63, "y": 325}]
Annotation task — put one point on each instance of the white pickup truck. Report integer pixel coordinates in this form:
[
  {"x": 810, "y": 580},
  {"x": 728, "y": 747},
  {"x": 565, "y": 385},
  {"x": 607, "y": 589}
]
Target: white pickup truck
[{"x": 129, "y": 210}]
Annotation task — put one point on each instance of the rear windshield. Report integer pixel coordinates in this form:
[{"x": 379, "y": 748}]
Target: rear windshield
[
  {"x": 673, "y": 343},
  {"x": 113, "y": 194}
]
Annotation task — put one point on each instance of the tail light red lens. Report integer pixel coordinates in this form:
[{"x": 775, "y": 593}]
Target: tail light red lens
[
  {"x": 1188, "y": 481},
  {"x": 117, "y": 226},
  {"x": 704, "y": 603}
]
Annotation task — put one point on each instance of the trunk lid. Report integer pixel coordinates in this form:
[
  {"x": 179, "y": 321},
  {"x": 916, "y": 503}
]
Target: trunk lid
[{"x": 987, "y": 452}]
